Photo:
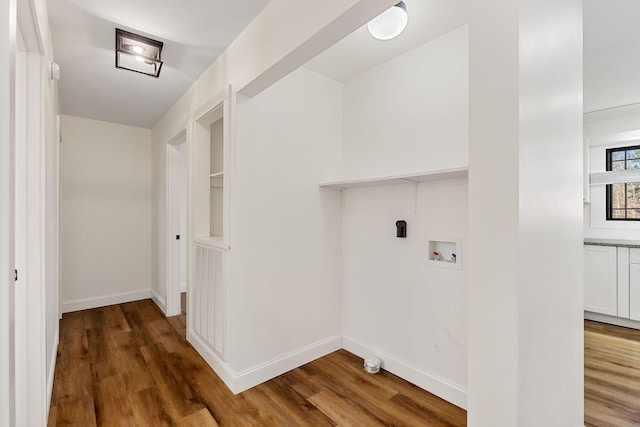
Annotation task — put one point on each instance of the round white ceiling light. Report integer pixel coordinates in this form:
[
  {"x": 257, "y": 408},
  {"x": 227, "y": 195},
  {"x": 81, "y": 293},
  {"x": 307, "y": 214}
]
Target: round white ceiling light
[{"x": 390, "y": 23}]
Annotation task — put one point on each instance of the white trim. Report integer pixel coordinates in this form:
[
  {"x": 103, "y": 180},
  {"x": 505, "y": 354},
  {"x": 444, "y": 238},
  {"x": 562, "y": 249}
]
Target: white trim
[
  {"x": 223, "y": 370},
  {"x": 432, "y": 383},
  {"x": 208, "y": 110},
  {"x": 244, "y": 380},
  {"x": 52, "y": 367},
  {"x": 103, "y": 301},
  {"x": 265, "y": 371},
  {"x": 27, "y": 22},
  {"x": 183, "y": 288},
  {"x": 613, "y": 320},
  {"x": 160, "y": 301}
]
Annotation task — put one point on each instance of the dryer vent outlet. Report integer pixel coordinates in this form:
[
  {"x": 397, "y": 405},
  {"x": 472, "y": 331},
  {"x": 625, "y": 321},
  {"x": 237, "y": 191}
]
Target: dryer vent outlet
[{"x": 372, "y": 364}]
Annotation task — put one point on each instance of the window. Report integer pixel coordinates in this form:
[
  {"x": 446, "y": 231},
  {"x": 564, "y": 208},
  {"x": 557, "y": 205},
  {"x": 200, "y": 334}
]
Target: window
[{"x": 623, "y": 199}]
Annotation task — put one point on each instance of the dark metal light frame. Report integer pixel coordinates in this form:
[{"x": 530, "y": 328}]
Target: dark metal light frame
[{"x": 151, "y": 54}]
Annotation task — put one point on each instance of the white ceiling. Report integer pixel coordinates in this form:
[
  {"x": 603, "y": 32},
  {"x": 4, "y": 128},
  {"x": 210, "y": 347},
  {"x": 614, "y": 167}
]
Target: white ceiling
[
  {"x": 194, "y": 32},
  {"x": 611, "y": 47},
  {"x": 611, "y": 53},
  {"x": 359, "y": 51}
]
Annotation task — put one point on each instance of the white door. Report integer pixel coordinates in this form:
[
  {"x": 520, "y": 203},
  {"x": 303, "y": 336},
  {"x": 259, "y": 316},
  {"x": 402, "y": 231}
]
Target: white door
[
  {"x": 600, "y": 280},
  {"x": 30, "y": 292},
  {"x": 7, "y": 371},
  {"x": 176, "y": 235}
]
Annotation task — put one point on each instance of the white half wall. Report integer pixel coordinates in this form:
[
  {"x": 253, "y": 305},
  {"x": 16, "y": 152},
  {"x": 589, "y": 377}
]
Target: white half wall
[
  {"x": 284, "y": 290},
  {"x": 105, "y": 213},
  {"x": 410, "y": 114}
]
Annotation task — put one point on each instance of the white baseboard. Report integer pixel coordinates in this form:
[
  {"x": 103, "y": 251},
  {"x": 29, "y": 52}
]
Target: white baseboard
[
  {"x": 265, "y": 371},
  {"x": 160, "y": 301},
  {"x": 238, "y": 382},
  {"x": 105, "y": 300},
  {"x": 217, "y": 364},
  {"x": 613, "y": 320},
  {"x": 241, "y": 381},
  {"x": 432, "y": 383},
  {"x": 52, "y": 367}
]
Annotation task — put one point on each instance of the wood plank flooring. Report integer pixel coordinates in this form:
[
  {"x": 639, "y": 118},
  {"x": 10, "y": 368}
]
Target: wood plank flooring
[
  {"x": 611, "y": 375},
  {"x": 127, "y": 365}
]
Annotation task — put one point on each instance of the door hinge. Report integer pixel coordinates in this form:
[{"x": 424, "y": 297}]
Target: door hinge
[{"x": 16, "y": 278}]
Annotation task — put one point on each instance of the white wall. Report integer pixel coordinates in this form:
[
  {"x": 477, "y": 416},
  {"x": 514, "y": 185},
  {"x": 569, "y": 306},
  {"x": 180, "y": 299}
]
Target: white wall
[
  {"x": 409, "y": 114},
  {"x": 410, "y": 313},
  {"x": 616, "y": 127},
  {"x": 612, "y": 80},
  {"x": 284, "y": 263},
  {"x": 524, "y": 255},
  {"x": 105, "y": 209}
]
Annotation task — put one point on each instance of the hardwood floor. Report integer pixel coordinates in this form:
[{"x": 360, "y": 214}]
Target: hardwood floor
[
  {"x": 611, "y": 375},
  {"x": 127, "y": 365}
]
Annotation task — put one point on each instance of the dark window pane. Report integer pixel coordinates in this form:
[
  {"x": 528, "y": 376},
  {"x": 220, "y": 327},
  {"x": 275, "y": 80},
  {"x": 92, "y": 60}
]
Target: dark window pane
[
  {"x": 633, "y": 195},
  {"x": 617, "y": 166},
  {"x": 633, "y": 164},
  {"x": 617, "y": 155},
  {"x": 617, "y": 213},
  {"x": 633, "y": 154},
  {"x": 617, "y": 196}
]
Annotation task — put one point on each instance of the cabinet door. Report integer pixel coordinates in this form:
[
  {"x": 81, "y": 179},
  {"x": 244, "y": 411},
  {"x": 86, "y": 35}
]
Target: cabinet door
[
  {"x": 634, "y": 291},
  {"x": 600, "y": 280}
]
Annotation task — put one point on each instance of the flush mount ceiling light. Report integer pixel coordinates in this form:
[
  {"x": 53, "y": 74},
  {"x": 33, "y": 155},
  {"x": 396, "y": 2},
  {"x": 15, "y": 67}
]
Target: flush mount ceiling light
[
  {"x": 390, "y": 23},
  {"x": 138, "y": 53}
]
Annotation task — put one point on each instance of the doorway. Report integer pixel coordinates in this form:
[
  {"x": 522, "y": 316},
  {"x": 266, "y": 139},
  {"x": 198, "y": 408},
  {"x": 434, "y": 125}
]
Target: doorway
[{"x": 176, "y": 238}]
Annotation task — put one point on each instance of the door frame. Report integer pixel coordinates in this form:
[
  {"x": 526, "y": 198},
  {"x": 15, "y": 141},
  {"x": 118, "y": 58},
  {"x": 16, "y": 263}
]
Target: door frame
[{"x": 8, "y": 34}]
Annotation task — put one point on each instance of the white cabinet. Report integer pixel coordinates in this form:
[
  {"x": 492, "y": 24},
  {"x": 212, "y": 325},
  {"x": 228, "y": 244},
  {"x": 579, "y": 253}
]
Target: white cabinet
[
  {"x": 601, "y": 279},
  {"x": 634, "y": 285}
]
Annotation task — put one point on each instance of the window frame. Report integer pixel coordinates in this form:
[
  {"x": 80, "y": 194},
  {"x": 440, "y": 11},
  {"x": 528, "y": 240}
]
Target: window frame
[{"x": 609, "y": 188}]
